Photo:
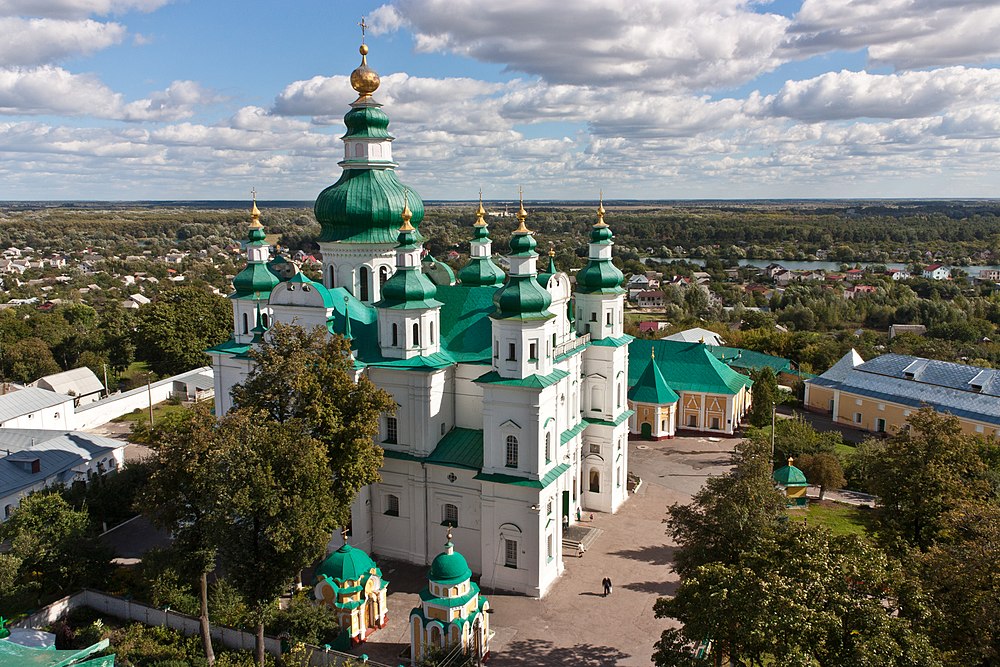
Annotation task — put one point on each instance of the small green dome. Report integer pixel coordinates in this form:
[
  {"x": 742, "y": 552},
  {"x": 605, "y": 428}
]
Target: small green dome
[
  {"x": 522, "y": 244},
  {"x": 599, "y": 276},
  {"x": 601, "y": 234},
  {"x": 481, "y": 272},
  {"x": 364, "y": 205},
  {"x": 368, "y": 122},
  {"x": 408, "y": 287},
  {"x": 255, "y": 279},
  {"x": 449, "y": 567},
  {"x": 256, "y": 234},
  {"x": 522, "y": 298},
  {"x": 790, "y": 476},
  {"x": 346, "y": 563}
]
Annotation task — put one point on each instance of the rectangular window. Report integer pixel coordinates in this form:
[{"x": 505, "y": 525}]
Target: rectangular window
[
  {"x": 549, "y": 508},
  {"x": 449, "y": 515},
  {"x": 595, "y": 449},
  {"x": 510, "y": 553},
  {"x": 391, "y": 430},
  {"x": 548, "y": 546},
  {"x": 593, "y": 317},
  {"x": 533, "y": 351},
  {"x": 857, "y": 417},
  {"x": 496, "y": 350},
  {"x": 609, "y": 318},
  {"x": 392, "y": 505},
  {"x": 511, "y": 352}
]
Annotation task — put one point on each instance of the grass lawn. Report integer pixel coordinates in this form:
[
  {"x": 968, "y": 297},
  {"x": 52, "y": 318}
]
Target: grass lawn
[
  {"x": 159, "y": 411},
  {"x": 840, "y": 519},
  {"x": 844, "y": 452}
]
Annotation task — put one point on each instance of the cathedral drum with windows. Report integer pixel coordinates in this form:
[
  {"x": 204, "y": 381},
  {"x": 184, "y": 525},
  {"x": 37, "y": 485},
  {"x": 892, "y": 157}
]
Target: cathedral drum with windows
[{"x": 511, "y": 389}]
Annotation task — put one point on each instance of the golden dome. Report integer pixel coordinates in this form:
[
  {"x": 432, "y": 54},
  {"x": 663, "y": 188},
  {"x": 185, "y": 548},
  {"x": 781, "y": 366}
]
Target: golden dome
[
  {"x": 480, "y": 212},
  {"x": 364, "y": 79},
  {"x": 521, "y": 215},
  {"x": 407, "y": 214}
]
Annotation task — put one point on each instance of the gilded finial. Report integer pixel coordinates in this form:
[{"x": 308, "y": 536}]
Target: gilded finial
[
  {"x": 790, "y": 459},
  {"x": 449, "y": 532},
  {"x": 406, "y": 215},
  {"x": 652, "y": 353},
  {"x": 521, "y": 214},
  {"x": 480, "y": 212},
  {"x": 343, "y": 534},
  {"x": 600, "y": 212},
  {"x": 364, "y": 79},
  {"x": 552, "y": 249}
]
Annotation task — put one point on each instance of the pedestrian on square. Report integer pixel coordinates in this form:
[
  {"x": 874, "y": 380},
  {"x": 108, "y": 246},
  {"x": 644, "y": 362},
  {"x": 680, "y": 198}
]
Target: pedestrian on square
[
  {"x": 606, "y": 583},
  {"x": 609, "y": 585},
  {"x": 579, "y": 515}
]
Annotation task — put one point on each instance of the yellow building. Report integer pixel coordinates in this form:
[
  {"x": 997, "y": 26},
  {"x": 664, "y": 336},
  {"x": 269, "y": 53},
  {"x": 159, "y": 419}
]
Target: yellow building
[
  {"x": 880, "y": 395},
  {"x": 349, "y": 582},
  {"x": 683, "y": 386}
]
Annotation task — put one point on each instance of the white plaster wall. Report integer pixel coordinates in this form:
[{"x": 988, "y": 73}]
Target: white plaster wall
[
  {"x": 468, "y": 395},
  {"x": 58, "y": 417}
]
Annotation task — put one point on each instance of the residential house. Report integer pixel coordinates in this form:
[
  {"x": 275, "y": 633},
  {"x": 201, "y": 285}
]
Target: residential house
[
  {"x": 915, "y": 329},
  {"x": 937, "y": 272},
  {"x": 899, "y": 274},
  {"x": 80, "y": 383},
  {"x": 32, "y": 407},
  {"x": 650, "y": 299}
]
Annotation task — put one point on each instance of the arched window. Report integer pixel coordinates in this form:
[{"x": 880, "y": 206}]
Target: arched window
[
  {"x": 246, "y": 323},
  {"x": 596, "y": 405},
  {"x": 548, "y": 447},
  {"x": 449, "y": 515},
  {"x": 383, "y": 275},
  {"x": 436, "y": 637},
  {"x": 416, "y": 334},
  {"x": 331, "y": 280},
  {"x": 595, "y": 481},
  {"x": 6, "y": 512},
  {"x": 395, "y": 335},
  {"x": 265, "y": 321},
  {"x": 431, "y": 339},
  {"x": 619, "y": 395},
  {"x": 392, "y": 505},
  {"x": 363, "y": 278},
  {"x": 511, "y": 451}
]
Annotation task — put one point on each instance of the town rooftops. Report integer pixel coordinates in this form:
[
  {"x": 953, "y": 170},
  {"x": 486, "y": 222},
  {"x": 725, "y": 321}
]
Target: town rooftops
[
  {"x": 965, "y": 391},
  {"x": 697, "y": 335},
  {"x": 37, "y": 455}
]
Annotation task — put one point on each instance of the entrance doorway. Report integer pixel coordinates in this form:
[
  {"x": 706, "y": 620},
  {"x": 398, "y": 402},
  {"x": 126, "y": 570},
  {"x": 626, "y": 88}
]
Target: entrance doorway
[
  {"x": 647, "y": 431},
  {"x": 565, "y": 504}
]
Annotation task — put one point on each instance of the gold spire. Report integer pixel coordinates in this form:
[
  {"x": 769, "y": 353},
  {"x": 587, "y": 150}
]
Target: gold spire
[
  {"x": 406, "y": 215},
  {"x": 600, "y": 213},
  {"x": 364, "y": 79},
  {"x": 521, "y": 215},
  {"x": 652, "y": 353},
  {"x": 343, "y": 533},
  {"x": 480, "y": 212},
  {"x": 552, "y": 249},
  {"x": 254, "y": 211}
]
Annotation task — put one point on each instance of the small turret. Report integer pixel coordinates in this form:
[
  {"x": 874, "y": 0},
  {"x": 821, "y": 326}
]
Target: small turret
[
  {"x": 481, "y": 271},
  {"x": 600, "y": 308}
]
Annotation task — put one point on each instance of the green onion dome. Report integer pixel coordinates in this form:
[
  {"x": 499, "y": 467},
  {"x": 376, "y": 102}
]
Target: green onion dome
[
  {"x": 523, "y": 244},
  {"x": 363, "y": 207},
  {"x": 367, "y": 122},
  {"x": 255, "y": 280},
  {"x": 522, "y": 298},
  {"x": 449, "y": 567},
  {"x": 481, "y": 272},
  {"x": 601, "y": 234},
  {"x": 345, "y": 564},
  {"x": 599, "y": 276},
  {"x": 408, "y": 287}
]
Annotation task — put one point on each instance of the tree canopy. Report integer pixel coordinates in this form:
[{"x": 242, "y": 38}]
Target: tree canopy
[{"x": 174, "y": 330}]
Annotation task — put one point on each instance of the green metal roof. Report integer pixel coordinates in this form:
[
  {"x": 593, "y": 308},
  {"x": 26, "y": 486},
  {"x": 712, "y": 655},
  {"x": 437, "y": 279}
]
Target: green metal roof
[
  {"x": 652, "y": 387},
  {"x": 481, "y": 271},
  {"x": 301, "y": 280},
  {"x": 345, "y": 564},
  {"x": 522, "y": 298},
  {"x": 367, "y": 122},
  {"x": 530, "y": 382},
  {"x": 255, "y": 280},
  {"x": 15, "y": 655},
  {"x": 449, "y": 568},
  {"x": 571, "y": 433},
  {"x": 686, "y": 367},
  {"x": 459, "y": 601},
  {"x": 460, "y": 448},
  {"x": 613, "y": 342},
  {"x": 599, "y": 276},
  {"x": 408, "y": 288},
  {"x": 615, "y": 422},
  {"x": 736, "y": 357},
  {"x": 364, "y": 206},
  {"x": 790, "y": 476},
  {"x": 228, "y": 347},
  {"x": 466, "y": 329},
  {"x": 547, "y": 479}
]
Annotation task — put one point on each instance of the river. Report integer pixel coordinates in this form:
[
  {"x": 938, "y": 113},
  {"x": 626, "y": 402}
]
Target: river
[{"x": 796, "y": 265}]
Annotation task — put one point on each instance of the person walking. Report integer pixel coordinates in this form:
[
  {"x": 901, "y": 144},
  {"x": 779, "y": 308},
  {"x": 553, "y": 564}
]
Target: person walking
[
  {"x": 606, "y": 583},
  {"x": 609, "y": 585}
]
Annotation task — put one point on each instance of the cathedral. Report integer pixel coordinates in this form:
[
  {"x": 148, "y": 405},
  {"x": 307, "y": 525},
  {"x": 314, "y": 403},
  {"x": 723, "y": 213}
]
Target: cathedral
[{"x": 512, "y": 416}]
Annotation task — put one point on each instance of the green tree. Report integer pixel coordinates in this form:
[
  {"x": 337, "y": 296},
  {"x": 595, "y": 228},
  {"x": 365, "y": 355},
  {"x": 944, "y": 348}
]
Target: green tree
[
  {"x": 309, "y": 376},
  {"x": 173, "y": 331},
  {"x": 729, "y": 514},
  {"x": 925, "y": 471},
  {"x": 802, "y": 597},
  {"x": 184, "y": 491},
  {"x": 276, "y": 497},
  {"x": 30, "y": 359},
  {"x": 823, "y": 470},
  {"x": 763, "y": 395},
  {"x": 55, "y": 544}
]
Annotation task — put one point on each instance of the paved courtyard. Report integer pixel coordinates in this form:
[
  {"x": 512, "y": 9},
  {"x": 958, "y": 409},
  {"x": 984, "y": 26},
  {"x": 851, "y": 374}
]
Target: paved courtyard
[{"x": 574, "y": 624}]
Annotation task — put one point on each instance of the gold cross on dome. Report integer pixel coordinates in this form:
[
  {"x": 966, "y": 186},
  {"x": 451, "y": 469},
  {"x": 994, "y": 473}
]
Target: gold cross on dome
[
  {"x": 253, "y": 193},
  {"x": 364, "y": 26}
]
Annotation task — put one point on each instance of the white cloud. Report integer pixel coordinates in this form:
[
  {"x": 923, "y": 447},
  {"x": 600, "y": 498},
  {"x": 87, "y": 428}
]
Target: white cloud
[
  {"x": 41, "y": 41},
  {"x": 54, "y": 91},
  {"x": 653, "y": 44},
  {"x": 900, "y": 33},
  {"x": 75, "y": 8},
  {"x": 846, "y": 95}
]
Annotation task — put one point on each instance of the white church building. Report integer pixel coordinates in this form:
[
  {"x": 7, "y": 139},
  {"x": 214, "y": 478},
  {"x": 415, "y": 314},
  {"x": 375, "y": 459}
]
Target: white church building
[{"x": 511, "y": 389}]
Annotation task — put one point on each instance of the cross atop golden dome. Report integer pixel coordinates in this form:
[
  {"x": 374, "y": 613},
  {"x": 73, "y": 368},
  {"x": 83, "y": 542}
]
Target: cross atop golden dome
[
  {"x": 600, "y": 212},
  {"x": 364, "y": 79},
  {"x": 521, "y": 215},
  {"x": 480, "y": 212},
  {"x": 254, "y": 211}
]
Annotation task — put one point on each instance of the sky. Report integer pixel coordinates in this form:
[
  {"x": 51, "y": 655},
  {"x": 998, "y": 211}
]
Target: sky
[{"x": 640, "y": 99}]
